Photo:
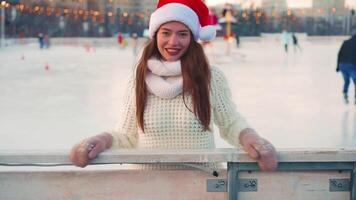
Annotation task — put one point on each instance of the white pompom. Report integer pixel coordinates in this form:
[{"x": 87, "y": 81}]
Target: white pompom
[{"x": 207, "y": 33}]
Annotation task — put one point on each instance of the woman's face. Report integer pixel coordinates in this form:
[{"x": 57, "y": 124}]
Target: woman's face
[{"x": 173, "y": 40}]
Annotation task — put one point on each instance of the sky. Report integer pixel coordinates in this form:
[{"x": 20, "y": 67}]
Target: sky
[{"x": 291, "y": 3}]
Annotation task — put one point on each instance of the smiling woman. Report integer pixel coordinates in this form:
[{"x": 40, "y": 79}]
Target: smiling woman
[{"x": 176, "y": 96}]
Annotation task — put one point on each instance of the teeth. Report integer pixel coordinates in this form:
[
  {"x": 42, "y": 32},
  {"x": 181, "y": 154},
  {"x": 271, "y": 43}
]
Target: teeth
[{"x": 172, "y": 50}]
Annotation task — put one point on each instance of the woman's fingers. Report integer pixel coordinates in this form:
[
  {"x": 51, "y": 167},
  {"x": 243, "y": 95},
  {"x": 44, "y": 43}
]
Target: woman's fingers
[
  {"x": 79, "y": 155},
  {"x": 82, "y": 154},
  {"x": 87, "y": 150},
  {"x": 73, "y": 154},
  {"x": 96, "y": 148},
  {"x": 261, "y": 150},
  {"x": 250, "y": 140},
  {"x": 268, "y": 156},
  {"x": 251, "y": 151},
  {"x": 267, "y": 163}
]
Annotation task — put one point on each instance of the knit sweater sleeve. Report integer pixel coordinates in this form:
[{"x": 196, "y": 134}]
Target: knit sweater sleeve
[
  {"x": 226, "y": 117},
  {"x": 125, "y": 134}
]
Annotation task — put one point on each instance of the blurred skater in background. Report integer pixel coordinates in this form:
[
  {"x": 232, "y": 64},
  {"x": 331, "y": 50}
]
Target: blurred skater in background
[{"x": 346, "y": 63}]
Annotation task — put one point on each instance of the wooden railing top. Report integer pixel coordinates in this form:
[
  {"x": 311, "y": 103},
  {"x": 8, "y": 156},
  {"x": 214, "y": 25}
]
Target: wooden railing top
[{"x": 175, "y": 156}]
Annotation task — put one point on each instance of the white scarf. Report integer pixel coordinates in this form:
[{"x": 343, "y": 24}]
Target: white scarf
[{"x": 164, "y": 79}]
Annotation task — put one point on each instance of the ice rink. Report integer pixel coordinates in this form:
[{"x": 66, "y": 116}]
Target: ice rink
[{"x": 294, "y": 100}]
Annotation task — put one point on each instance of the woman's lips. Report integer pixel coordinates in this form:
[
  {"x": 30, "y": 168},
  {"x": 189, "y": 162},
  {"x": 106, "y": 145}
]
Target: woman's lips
[{"x": 173, "y": 52}]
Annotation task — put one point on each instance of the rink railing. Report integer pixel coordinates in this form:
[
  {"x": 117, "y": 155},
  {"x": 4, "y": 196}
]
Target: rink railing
[
  {"x": 112, "y": 41},
  {"x": 316, "y": 174}
]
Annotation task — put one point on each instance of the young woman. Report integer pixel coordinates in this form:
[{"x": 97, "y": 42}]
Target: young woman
[{"x": 175, "y": 96}]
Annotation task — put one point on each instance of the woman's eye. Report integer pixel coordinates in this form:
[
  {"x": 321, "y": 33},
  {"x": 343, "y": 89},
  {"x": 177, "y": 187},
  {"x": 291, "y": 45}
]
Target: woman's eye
[
  {"x": 183, "y": 34},
  {"x": 165, "y": 33}
]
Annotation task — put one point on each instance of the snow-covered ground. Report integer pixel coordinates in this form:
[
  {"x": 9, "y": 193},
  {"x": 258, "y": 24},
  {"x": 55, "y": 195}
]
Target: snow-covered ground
[{"x": 292, "y": 99}]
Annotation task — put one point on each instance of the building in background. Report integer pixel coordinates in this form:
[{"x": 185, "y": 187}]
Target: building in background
[
  {"x": 73, "y": 18},
  {"x": 105, "y": 18},
  {"x": 329, "y": 4},
  {"x": 329, "y": 17},
  {"x": 73, "y": 4},
  {"x": 127, "y": 16},
  {"x": 274, "y": 10},
  {"x": 272, "y": 6}
]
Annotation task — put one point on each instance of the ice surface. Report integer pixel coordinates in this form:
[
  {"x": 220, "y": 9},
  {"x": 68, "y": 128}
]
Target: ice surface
[{"x": 294, "y": 100}]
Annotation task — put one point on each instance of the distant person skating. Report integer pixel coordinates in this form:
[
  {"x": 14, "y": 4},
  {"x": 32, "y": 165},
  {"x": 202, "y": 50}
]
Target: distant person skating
[
  {"x": 134, "y": 44},
  {"x": 237, "y": 38},
  {"x": 120, "y": 40},
  {"x": 22, "y": 37},
  {"x": 285, "y": 40},
  {"x": 346, "y": 63},
  {"x": 295, "y": 43},
  {"x": 41, "y": 40},
  {"x": 46, "y": 41}
]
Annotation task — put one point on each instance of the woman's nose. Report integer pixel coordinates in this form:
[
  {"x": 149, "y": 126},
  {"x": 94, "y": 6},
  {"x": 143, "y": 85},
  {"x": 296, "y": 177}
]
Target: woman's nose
[{"x": 173, "y": 40}]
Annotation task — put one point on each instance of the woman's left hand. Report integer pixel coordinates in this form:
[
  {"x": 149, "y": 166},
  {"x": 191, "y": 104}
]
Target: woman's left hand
[{"x": 259, "y": 149}]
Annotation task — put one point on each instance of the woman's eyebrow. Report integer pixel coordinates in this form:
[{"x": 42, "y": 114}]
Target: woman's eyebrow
[
  {"x": 167, "y": 29},
  {"x": 183, "y": 31}
]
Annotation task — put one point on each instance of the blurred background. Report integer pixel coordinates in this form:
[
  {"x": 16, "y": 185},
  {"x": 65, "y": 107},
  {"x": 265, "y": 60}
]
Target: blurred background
[{"x": 105, "y": 18}]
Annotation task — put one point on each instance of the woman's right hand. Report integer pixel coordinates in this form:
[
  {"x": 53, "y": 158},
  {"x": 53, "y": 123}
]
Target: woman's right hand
[
  {"x": 88, "y": 149},
  {"x": 259, "y": 149}
]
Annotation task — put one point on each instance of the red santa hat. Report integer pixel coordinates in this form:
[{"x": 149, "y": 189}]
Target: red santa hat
[{"x": 193, "y": 13}]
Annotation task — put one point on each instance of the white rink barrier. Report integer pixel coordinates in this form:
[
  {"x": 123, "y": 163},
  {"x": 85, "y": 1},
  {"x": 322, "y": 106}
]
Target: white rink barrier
[
  {"x": 112, "y": 41},
  {"x": 322, "y": 174},
  {"x": 74, "y": 42}
]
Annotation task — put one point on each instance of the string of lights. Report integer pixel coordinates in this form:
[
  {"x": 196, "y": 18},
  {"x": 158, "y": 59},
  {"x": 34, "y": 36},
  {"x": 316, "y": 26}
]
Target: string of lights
[
  {"x": 95, "y": 14},
  {"x": 70, "y": 12},
  {"x": 78, "y": 21}
]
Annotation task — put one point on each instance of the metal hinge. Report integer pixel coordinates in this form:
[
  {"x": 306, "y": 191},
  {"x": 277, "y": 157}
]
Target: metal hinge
[
  {"x": 251, "y": 185},
  {"x": 220, "y": 185},
  {"x": 248, "y": 185},
  {"x": 339, "y": 185},
  {"x": 216, "y": 185}
]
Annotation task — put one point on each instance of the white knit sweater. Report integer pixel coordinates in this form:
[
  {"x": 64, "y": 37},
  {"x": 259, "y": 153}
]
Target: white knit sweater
[{"x": 170, "y": 125}]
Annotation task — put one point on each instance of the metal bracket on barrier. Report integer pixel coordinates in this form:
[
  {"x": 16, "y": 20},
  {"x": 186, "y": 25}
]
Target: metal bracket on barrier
[
  {"x": 339, "y": 185},
  {"x": 353, "y": 183},
  {"x": 220, "y": 185},
  {"x": 216, "y": 185},
  {"x": 248, "y": 185}
]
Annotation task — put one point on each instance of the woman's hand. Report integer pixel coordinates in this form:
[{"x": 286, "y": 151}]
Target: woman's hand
[
  {"x": 88, "y": 149},
  {"x": 259, "y": 149}
]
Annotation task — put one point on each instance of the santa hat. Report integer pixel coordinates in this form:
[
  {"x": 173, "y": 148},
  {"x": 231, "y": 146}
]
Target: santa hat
[{"x": 193, "y": 13}]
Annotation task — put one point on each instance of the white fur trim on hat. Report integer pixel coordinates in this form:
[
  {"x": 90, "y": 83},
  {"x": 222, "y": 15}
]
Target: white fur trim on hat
[
  {"x": 175, "y": 12},
  {"x": 207, "y": 33}
]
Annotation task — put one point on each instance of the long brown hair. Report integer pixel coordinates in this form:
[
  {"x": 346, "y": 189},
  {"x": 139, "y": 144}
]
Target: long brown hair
[{"x": 196, "y": 80}]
